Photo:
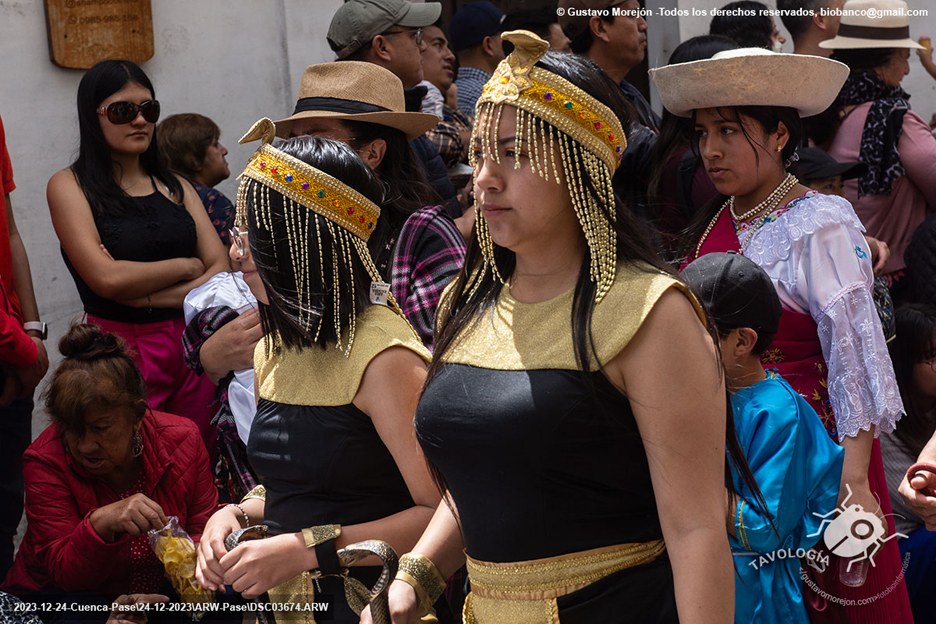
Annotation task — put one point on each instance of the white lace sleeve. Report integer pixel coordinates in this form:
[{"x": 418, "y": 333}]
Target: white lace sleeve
[
  {"x": 862, "y": 387},
  {"x": 833, "y": 277}
]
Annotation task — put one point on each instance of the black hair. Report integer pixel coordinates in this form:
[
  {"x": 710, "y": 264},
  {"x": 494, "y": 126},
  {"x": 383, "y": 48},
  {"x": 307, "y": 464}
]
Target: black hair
[
  {"x": 270, "y": 248},
  {"x": 864, "y": 59},
  {"x": 752, "y": 29},
  {"x": 406, "y": 189},
  {"x": 677, "y": 132},
  {"x": 536, "y": 21},
  {"x": 462, "y": 306},
  {"x": 769, "y": 119},
  {"x": 798, "y": 25},
  {"x": 914, "y": 343},
  {"x": 583, "y": 43},
  {"x": 822, "y": 128},
  {"x": 94, "y": 168},
  {"x": 763, "y": 342}
]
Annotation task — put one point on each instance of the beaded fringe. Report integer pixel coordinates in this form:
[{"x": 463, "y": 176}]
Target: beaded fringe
[
  {"x": 552, "y": 152},
  {"x": 343, "y": 245}
]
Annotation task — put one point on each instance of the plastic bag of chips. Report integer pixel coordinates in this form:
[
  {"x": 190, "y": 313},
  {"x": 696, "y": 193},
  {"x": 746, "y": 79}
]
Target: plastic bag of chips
[{"x": 176, "y": 550}]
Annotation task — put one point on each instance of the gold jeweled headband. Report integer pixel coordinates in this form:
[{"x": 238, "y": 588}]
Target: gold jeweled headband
[
  {"x": 577, "y": 126},
  {"x": 306, "y": 188},
  {"x": 306, "y": 185}
]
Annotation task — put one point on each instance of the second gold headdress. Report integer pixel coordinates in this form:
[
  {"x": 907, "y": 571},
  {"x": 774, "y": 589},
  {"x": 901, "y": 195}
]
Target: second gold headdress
[
  {"x": 350, "y": 219},
  {"x": 562, "y": 126}
]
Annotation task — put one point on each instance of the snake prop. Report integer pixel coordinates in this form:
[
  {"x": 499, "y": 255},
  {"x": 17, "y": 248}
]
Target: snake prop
[{"x": 358, "y": 595}]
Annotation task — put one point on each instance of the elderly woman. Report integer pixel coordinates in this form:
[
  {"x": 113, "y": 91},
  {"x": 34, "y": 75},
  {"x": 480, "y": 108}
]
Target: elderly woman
[
  {"x": 106, "y": 471},
  {"x": 877, "y": 127},
  {"x": 191, "y": 145}
]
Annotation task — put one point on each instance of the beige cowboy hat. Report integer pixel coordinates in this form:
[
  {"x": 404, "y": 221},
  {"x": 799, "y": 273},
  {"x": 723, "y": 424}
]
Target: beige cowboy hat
[
  {"x": 751, "y": 77},
  {"x": 873, "y": 24},
  {"x": 358, "y": 91}
]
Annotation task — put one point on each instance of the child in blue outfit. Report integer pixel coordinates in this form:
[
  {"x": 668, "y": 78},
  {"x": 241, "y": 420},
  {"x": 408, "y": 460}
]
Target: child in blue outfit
[{"x": 796, "y": 465}]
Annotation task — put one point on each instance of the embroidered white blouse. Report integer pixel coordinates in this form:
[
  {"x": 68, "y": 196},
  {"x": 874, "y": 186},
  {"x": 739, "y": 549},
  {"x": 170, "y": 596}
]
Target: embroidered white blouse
[{"x": 814, "y": 252}]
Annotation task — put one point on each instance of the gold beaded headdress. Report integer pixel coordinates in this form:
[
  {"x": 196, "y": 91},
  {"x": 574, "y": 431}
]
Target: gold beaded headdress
[
  {"x": 306, "y": 188},
  {"x": 577, "y": 126}
]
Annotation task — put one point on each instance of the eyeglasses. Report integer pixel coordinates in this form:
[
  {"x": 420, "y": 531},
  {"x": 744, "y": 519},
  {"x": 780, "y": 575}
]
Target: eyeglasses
[
  {"x": 119, "y": 113},
  {"x": 417, "y": 34},
  {"x": 930, "y": 362},
  {"x": 236, "y": 238}
]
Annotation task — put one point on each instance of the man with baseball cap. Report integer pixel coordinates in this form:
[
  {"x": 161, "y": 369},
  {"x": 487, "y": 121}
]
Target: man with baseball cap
[
  {"x": 474, "y": 35},
  {"x": 616, "y": 43},
  {"x": 384, "y": 32},
  {"x": 389, "y": 33}
]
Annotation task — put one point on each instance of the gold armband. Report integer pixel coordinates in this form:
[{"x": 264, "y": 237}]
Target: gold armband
[
  {"x": 422, "y": 575},
  {"x": 257, "y": 492},
  {"x": 316, "y": 535}
]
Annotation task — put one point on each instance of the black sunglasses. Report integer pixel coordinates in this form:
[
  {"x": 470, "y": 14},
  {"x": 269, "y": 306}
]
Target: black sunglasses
[{"x": 124, "y": 112}]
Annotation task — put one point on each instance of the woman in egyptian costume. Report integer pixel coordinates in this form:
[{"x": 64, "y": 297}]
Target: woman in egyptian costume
[
  {"x": 574, "y": 414},
  {"x": 338, "y": 375}
]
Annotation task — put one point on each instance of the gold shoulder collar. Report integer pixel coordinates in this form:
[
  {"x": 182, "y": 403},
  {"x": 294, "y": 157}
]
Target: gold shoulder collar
[
  {"x": 537, "y": 336},
  {"x": 325, "y": 377}
]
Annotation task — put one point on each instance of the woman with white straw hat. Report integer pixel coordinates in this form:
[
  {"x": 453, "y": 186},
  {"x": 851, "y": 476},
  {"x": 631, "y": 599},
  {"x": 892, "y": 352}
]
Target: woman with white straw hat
[
  {"x": 830, "y": 346},
  {"x": 871, "y": 121}
]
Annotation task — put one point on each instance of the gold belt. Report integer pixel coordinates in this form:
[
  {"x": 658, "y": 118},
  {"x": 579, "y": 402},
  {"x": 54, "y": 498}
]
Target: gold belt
[{"x": 525, "y": 592}]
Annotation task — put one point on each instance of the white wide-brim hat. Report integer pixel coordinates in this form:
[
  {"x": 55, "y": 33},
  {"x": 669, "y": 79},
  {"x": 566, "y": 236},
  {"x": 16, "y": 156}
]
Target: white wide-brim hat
[
  {"x": 751, "y": 77},
  {"x": 873, "y": 24}
]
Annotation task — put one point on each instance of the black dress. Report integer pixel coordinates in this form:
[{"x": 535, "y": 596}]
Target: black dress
[
  {"x": 320, "y": 457},
  {"x": 538, "y": 463}
]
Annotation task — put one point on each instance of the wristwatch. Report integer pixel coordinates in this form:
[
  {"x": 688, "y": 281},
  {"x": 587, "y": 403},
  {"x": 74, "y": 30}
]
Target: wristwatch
[{"x": 38, "y": 326}]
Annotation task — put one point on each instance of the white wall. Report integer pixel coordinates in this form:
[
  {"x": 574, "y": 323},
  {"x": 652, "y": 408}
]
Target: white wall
[{"x": 232, "y": 60}]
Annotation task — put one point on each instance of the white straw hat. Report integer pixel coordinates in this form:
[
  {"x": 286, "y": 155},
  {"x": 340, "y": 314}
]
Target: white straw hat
[
  {"x": 751, "y": 77},
  {"x": 873, "y": 24}
]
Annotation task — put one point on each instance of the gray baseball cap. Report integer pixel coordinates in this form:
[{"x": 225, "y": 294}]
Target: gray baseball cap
[{"x": 358, "y": 21}]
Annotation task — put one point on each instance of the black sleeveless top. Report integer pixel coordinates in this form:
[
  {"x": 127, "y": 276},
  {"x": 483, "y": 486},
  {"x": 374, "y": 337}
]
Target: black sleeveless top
[
  {"x": 539, "y": 464},
  {"x": 319, "y": 456},
  {"x": 156, "y": 229}
]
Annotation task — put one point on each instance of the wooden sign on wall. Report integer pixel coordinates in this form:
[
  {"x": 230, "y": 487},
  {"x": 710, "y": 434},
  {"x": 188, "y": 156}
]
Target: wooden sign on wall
[{"x": 84, "y": 32}]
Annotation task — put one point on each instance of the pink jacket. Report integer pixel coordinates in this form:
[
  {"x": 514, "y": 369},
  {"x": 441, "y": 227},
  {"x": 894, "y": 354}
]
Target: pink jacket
[{"x": 892, "y": 217}]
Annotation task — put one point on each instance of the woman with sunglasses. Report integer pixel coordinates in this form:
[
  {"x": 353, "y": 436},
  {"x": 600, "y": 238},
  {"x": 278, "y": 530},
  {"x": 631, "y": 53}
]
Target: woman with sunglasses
[{"x": 134, "y": 236}]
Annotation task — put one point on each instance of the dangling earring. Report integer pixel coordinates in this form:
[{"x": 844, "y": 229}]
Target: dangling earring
[{"x": 137, "y": 448}]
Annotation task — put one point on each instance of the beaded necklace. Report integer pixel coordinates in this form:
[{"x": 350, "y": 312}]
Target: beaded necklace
[
  {"x": 772, "y": 200},
  {"x": 788, "y": 183}
]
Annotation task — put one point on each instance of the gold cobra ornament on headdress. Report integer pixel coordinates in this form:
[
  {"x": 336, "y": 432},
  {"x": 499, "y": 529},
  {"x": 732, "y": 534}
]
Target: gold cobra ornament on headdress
[
  {"x": 564, "y": 129},
  {"x": 305, "y": 188}
]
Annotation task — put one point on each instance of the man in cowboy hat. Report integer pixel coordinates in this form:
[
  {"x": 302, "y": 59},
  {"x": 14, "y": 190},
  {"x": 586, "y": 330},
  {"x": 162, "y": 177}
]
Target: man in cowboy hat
[
  {"x": 384, "y": 32},
  {"x": 809, "y": 30},
  {"x": 388, "y": 33}
]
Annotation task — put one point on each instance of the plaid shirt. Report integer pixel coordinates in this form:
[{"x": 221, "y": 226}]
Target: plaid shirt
[
  {"x": 446, "y": 136},
  {"x": 470, "y": 83},
  {"x": 429, "y": 253}
]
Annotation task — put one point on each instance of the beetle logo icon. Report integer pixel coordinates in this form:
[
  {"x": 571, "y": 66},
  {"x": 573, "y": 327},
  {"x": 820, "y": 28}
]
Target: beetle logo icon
[{"x": 852, "y": 532}]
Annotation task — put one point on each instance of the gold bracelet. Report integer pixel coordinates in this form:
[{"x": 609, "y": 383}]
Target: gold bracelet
[
  {"x": 422, "y": 575},
  {"x": 257, "y": 492},
  {"x": 313, "y": 536}
]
